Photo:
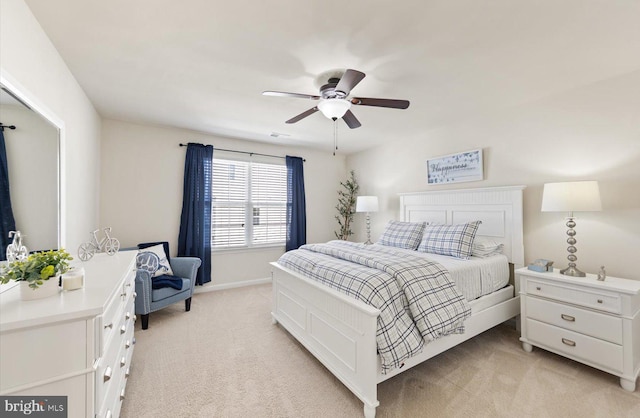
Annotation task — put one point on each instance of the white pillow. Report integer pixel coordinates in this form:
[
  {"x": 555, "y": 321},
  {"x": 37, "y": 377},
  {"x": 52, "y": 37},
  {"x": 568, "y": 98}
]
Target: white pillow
[
  {"x": 154, "y": 260},
  {"x": 486, "y": 247}
]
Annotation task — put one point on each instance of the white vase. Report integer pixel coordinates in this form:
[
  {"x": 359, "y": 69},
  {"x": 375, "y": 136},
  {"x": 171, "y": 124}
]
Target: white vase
[{"x": 48, "y": 288}]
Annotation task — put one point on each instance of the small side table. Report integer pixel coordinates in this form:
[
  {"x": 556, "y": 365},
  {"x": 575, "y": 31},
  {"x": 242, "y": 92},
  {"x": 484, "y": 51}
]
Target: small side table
[{"x": 594, "y": 322}]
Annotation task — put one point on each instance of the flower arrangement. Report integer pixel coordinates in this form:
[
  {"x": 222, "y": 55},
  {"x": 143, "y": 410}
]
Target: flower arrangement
[{"x": 37, "y": 267}]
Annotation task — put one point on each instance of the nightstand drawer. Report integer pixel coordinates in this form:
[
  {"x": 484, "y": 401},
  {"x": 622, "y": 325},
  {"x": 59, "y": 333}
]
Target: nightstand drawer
[
  {"x": 579, "y": 346},
  {"x": 600, "y": 300},
  {"x": 594, "y": 324}
]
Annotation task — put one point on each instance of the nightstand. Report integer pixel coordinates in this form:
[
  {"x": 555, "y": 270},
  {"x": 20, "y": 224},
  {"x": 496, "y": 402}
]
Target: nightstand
[{"x": 594, "y": 322}]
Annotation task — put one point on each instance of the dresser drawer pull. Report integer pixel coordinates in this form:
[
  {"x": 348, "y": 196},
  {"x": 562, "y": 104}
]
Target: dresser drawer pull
[
  {"x": 135, "y": 294},
  {"x": 127, "y": 372},
  {"x": 127, "y": 315},
  {"x": 123, "y": 329},
  {"x": 127, "y": 344},
  {"x": 107, "y": 374},
  {"x": 108, "y": 326},
  {"x": 599, "y": 300},
  {"x": 568, "y": 342},
  {"x": 568, "y": 317},
  {"x": 538, "y": 288},
  {"x": 108, "y": 414},
  {"x": 122, "y": 395},
  {"x": 135, "y": 317},
  {"x": 134, "y": 340},
  {"x": 123, "y": 361}
]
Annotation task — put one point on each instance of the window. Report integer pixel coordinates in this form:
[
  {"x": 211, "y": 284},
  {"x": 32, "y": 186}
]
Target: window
[{"x": 249, "y": 203}]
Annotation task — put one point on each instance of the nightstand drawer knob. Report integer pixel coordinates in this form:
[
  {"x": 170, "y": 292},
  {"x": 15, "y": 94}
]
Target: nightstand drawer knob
[
  {"x": 568, "y": 342},
  {"x": 568, "y": 317}
]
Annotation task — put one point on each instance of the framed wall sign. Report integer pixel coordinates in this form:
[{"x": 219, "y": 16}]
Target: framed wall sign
[{"x": 455, "y": 168}]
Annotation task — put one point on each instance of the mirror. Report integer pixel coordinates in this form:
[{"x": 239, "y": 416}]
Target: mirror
[{"x": 33, "y": 161}]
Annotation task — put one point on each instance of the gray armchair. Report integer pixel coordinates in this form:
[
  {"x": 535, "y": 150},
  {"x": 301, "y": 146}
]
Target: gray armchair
[{"x": 150, "y": 300}]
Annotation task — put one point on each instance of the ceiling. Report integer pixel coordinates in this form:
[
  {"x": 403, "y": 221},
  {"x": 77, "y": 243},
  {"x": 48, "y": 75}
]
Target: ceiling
[{"x": 203, "y": 64}]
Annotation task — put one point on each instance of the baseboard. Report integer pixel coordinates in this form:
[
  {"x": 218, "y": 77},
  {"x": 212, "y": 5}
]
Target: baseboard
[{"x": 224, "y": 286}]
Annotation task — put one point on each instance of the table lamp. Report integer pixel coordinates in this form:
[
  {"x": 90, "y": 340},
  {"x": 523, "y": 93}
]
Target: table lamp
[
  {"x": 573, "y": 196},
  {"x": 367, "y": 204}
]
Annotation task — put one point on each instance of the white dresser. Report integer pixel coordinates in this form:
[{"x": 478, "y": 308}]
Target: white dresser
[
  {"x": 77, "y": 344},
  {"x": 590, "y": 321}
]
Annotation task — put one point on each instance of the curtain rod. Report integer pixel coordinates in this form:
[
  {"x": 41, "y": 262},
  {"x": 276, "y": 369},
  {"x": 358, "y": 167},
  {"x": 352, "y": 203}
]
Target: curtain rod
[
  {"x": 244, "y": 152},
  {"x": 2, "y": 126}
]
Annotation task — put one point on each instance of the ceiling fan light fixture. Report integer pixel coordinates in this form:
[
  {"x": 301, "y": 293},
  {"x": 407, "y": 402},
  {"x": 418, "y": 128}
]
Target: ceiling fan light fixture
[{"x": 334, "y": 108}]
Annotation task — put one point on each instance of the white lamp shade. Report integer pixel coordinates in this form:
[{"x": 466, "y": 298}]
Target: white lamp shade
[
  {"x": 367, "y": 204},
  {"x": 334, "y": 108},
  {"x": 573, "y": 196}
]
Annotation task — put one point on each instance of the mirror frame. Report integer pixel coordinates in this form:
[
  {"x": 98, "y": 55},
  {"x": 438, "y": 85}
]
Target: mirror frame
[{"x": 38, "y": 107}]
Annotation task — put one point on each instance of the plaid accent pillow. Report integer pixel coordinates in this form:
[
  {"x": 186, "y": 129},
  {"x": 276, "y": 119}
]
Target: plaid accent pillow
[
  {"x": 452, "y": 240},
  {"x": 402, "y": 234}
]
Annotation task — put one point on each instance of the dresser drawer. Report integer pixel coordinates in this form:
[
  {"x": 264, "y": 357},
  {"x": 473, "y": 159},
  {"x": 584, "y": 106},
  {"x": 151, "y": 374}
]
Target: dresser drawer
[
  {"x": 578, "y": 346},
  {"x": 116, "y": 356},
  {"x": 594, "y": 324},
  {"x": 595, "y": 299},
  {"x": 113, "y": 315}
]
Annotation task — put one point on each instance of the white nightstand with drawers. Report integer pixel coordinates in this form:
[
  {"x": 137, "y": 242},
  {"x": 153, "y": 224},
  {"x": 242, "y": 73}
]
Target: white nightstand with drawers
[{"x": 594, "y": 322}]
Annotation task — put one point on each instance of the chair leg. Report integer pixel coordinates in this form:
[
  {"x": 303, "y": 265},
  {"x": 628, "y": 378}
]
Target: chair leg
[
  {"x": 187, "y": 304},
  {"x": 145, "y": 321}
]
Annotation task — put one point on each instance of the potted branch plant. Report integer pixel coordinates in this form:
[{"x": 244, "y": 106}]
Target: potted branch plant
[
  {"x": 38, "y": 274},
  {"x": 346, "y": 206}
]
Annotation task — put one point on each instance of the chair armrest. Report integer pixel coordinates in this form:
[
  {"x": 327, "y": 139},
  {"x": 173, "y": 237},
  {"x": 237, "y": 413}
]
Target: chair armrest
[
  {"x": 143, "y": 291},
  {"x": 186, "y": 267}
]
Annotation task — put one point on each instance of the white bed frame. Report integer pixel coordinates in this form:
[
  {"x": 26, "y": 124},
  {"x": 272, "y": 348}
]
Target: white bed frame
[{"x": 340, "y": 331}]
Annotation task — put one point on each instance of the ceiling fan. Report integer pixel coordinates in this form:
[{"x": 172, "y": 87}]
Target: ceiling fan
[{"x": 334, "y": 102}]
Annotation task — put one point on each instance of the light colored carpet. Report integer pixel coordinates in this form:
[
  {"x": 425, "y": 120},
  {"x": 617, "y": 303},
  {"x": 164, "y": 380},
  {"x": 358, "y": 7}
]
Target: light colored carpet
[{"x": 226, "y": 359}]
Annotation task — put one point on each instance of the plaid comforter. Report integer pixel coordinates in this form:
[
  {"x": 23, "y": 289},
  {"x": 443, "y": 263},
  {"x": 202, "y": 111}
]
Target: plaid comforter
[{"x": 417, "y": 300}]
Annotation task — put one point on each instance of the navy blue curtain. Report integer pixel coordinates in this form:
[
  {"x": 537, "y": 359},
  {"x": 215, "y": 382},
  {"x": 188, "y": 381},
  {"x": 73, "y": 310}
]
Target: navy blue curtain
[
  {"x": 296, "y": 209},
  {"x": 7, "y": 222},
  {"x": 195, "y": 221}
]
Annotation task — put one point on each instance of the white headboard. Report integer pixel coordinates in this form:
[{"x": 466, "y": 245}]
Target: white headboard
[{"x": 499, "y": 209}]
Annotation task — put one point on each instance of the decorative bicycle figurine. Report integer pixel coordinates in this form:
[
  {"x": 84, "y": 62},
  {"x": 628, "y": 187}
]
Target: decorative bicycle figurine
[
  {"x": 16, "y": 251},
  {"x": 107, "y": 243}
]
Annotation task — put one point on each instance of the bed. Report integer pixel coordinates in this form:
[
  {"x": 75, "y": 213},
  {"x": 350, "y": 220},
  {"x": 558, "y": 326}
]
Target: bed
[{"x": 340, "y": 331}]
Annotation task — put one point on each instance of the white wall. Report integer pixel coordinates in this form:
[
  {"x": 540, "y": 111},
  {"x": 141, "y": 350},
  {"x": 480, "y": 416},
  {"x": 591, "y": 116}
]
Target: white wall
[
  {"x": 32, "y": 155},
  {"x": 588, "y": 133},
  {"x": 32, "y": 65},
  {"x": 142, "y": 175}
]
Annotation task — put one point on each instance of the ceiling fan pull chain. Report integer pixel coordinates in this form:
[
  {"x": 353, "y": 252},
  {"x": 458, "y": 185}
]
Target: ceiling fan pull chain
[{"x": 335, "y": 136}]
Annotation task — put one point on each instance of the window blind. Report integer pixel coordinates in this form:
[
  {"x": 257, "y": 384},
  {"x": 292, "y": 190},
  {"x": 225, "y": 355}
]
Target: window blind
[{"x": 249, "y": 204}]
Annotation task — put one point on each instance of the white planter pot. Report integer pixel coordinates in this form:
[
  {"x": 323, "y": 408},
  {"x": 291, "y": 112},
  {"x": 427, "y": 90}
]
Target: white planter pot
[{"x": 48, "y": 288}]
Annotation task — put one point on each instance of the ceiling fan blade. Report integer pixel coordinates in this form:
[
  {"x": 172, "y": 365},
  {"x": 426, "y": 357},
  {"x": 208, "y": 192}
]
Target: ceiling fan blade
[
  {"x": 302, "y": 115},
  {"x": 351, "y": 120},
  {"x": 349, "y": 80},
  {"x": 392, "y": 103},
  {"x": 285, "y": 94}
]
